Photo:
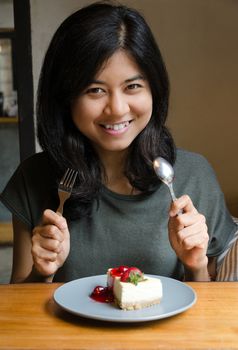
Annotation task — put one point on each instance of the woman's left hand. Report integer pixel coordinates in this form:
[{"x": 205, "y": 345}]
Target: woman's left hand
[{"x": 189, "y": 237}]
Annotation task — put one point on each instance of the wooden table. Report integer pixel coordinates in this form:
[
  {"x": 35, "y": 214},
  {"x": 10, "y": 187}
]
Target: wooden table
[{"x": 30, "y": 319}]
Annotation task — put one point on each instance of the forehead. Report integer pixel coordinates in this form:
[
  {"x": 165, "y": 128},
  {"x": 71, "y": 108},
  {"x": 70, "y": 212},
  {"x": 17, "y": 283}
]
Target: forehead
[{"x": 121, "y": 62}]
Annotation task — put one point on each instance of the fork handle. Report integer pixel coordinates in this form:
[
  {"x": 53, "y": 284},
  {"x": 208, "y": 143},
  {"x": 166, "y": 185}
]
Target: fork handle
[
  {"x": 60, "y": 209},
  {"x": 63, "y": 196}
]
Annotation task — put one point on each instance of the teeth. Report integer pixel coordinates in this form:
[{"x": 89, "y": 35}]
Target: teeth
[{"x": 116, "y": 126}]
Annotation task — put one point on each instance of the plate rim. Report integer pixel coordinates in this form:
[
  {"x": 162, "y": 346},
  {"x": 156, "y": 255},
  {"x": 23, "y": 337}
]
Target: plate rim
[{"x": 108, "y": 318}]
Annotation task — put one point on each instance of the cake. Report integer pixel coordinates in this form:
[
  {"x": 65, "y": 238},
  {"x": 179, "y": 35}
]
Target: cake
[{"x": 132, "y": 289}]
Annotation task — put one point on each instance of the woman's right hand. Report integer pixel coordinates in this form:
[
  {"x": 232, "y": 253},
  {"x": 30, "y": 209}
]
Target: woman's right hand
[{"x": 50, "y": 243}]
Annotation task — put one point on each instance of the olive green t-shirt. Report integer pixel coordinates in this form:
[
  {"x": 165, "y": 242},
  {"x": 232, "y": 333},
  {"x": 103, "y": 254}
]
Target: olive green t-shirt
[{"x": 123, "y": 229}]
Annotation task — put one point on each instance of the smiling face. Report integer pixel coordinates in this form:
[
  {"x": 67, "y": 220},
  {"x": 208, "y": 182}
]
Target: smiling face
[{"x": 115, "y": 107}]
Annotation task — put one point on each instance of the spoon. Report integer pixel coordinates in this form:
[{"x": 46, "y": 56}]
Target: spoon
[{"x": 165, "y": 173}]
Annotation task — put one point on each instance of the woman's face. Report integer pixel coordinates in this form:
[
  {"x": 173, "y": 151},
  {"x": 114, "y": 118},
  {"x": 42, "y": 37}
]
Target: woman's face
[{"x": 116, "y": 106}]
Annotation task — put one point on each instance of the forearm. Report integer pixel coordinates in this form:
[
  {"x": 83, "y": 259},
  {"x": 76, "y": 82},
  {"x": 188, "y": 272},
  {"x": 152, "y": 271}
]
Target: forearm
[
  {"x": 201, "y": 275},
  {"x": 33, "y": 277}
]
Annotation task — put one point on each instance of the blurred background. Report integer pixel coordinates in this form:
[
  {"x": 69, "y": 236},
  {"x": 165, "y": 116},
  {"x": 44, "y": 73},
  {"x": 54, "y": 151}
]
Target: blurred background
[{"x": 198, "y": 40}]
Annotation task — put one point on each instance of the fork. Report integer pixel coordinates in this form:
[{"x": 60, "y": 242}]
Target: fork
[{"x": 65, "y": 187}]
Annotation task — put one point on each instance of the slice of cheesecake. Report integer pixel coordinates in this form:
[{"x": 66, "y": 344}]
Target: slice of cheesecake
[{"x": 132, "y": 289}]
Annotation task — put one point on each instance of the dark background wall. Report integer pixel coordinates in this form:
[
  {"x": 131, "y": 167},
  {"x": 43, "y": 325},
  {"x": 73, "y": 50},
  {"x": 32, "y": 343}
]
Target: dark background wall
[{"x": 9, "y": 159}]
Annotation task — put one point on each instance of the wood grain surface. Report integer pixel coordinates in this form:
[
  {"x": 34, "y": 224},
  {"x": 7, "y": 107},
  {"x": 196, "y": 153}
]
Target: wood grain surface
[{"x": 30, "y": 319}]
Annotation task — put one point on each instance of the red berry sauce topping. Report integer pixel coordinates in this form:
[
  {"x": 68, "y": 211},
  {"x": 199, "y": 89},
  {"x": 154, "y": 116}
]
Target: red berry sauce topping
[
  {"x": 118, "y": 271},
  {"x": 126, "y": 274},
  {"x": 102, "y": 294}
]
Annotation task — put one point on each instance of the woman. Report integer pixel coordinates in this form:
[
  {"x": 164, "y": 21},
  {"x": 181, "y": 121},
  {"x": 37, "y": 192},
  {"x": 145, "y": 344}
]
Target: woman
[{"x": 102, "y": 107}]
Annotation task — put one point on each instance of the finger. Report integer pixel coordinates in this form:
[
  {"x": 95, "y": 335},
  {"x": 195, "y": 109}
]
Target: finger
[
  {"x": 51, "y": 244},
  {"x": 193, "y": 235},
  {"x": 45, "y": 268},
  {"x": 39, "y": 254},
  {"x": 48, "y": 231},
  {"x": 183, "y": 204},
  {"x": 191, "y": 219},
  {"x": 52, "y": 218},
  {"x": 198, "y": 240}
]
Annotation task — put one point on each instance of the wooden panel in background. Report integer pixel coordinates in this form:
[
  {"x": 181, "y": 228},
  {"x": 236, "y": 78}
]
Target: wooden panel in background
[{"x": 6, "y": 233}]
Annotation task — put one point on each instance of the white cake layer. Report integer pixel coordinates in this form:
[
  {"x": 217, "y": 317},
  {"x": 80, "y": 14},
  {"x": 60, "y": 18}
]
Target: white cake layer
[{"x": 131, "y": 296}]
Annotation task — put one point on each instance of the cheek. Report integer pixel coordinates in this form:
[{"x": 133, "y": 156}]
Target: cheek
[
  {"x": 85, "y": 111},
  {"x": 144, "y": 108},
  {"x": 80, "y": 113}
]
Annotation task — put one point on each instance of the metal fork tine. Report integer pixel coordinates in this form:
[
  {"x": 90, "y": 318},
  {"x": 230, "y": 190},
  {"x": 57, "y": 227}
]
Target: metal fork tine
[
  {"x": 73, "y": 178},
  {"x": 68, "y": 178},
  {"x": 65, "y": 187},
  {"x": 65, "y": 177}
]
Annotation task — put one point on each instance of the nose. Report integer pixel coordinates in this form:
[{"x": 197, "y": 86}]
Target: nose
[{"x": 117, "y": 105}]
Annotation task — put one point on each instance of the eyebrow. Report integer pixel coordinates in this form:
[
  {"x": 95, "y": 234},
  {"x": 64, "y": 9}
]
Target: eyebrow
[{"x": 136, "y": 77}]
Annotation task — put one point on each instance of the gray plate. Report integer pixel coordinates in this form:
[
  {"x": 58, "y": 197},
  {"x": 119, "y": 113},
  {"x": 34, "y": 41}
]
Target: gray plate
[{"x": 74, "y": 297}]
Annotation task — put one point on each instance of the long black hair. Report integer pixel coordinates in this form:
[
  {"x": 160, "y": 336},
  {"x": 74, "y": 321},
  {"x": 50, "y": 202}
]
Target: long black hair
[{"x": 78, "y": 49}]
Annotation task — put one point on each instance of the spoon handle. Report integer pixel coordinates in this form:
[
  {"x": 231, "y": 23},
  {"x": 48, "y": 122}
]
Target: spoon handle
[
  {"x": 170, "y": 185},
  {"x": 171, "y": 190}
]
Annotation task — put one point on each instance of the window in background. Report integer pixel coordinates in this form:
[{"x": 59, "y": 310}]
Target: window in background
[{"x": 8, "y": 94}]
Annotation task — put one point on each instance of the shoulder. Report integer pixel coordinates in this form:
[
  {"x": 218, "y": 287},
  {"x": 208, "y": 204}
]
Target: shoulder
[
  {"x": 189, "y": 157},
  {"x": 31, "y": 189},
  {"x": 37, "y": 169},
  {"x": 36, "y": 160},
  {"x": 194, "y": 174},
  {"x": 37, "y": 166},
  {"x": 35, "y": 172},
  {"x": 192, "y": 162}
]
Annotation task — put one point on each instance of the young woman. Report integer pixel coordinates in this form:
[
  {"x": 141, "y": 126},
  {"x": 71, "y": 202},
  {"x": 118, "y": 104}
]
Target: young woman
[{"x": 102, "y": 107}]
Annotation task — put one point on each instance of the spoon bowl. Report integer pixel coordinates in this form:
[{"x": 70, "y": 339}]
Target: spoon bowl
[{"x": 165, "y": 173}]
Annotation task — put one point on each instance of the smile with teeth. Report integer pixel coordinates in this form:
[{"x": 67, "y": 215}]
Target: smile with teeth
[{"x": 116, "y": 127}]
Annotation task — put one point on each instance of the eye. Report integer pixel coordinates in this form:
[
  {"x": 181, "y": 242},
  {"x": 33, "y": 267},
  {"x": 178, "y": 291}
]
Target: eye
[
  {"x": 133, "y": 86},
  {"x": 95, "y": 90}
]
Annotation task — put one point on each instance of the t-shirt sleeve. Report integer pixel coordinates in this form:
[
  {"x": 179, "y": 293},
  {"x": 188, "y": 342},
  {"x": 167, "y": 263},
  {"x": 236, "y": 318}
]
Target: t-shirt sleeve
[
  {"x": 208, "y": 198},
  {"x": 221, "y": 227},
  {"x": 15, "y": 197},
  {"x": 31, "y": 190}
]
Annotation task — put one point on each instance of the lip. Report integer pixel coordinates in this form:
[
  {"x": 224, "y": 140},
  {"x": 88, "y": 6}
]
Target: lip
[{"x": 116, "y": 128}]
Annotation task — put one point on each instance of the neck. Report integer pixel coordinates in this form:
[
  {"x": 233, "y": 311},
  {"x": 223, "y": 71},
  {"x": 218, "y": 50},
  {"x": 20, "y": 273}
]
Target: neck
[{"x": 114, "y": 165}]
